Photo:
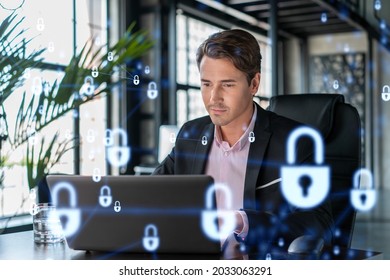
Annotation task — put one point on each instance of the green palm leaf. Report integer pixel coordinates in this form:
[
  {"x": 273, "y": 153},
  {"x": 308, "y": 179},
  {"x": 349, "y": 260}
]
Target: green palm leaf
[{"x": 13, "y": 57}]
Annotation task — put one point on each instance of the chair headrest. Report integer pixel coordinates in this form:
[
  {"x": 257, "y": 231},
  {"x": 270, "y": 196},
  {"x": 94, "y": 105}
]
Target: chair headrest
[{"x": 316, "y": 110}]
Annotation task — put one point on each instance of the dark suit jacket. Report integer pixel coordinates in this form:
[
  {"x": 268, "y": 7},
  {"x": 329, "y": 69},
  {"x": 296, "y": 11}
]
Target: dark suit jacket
[{"x": 270, "y": 217}]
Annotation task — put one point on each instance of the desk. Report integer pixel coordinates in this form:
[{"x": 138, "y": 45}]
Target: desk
[{"x": 20, "y": 246}]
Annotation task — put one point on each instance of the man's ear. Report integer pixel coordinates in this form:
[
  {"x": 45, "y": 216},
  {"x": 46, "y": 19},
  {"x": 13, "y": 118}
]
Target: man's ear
[{"x": 255, "y": 83}]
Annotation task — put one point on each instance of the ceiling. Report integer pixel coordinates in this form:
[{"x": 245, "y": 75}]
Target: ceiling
[
  {"x": 295, "y": 18},
  {"x": 300, "y": 18}
]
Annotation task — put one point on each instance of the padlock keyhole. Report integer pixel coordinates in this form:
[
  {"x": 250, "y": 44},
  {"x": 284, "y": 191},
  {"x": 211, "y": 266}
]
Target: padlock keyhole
[
  {"x": 64, "y": 220},
  {"x": 363, "y": 198},
  {"x": 217, "y": 222},
  {"x": 305, "y": 183}
]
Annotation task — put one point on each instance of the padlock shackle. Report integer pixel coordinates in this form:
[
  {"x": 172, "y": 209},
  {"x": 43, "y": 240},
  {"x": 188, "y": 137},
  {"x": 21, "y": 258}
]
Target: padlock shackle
[
  {"x": 88, "y": 79},
  {"x": 69, "y": 188},
  {"x": 358, "y": 174},
  {"x": 212, "y": 189},
  {"x": 317, "y": 140},
  {"x": 150, "y": 227},
  {"x": 386, "y": 89},
  {"x": 122, "y": 133},
  {"x": 105, "y": 187},
  {"x": 152, "y": 85}
]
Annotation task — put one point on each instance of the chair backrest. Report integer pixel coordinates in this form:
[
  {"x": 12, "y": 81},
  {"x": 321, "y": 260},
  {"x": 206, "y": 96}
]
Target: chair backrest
[{"x": 340, "y": 126}]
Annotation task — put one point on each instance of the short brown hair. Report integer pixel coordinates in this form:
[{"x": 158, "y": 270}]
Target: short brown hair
[{"x": 237, "y": 45}]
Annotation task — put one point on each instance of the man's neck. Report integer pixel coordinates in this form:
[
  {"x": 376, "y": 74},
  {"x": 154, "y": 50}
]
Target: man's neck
[{"x": 232, "y": 132}]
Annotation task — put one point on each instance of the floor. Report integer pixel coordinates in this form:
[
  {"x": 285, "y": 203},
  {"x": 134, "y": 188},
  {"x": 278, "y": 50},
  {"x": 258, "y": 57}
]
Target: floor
[{"x": 372, "y": 229}]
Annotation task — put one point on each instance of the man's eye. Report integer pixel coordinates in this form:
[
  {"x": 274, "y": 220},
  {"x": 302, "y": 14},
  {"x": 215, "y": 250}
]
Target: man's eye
[
  {"x": 229, "y": 85},
  {"x": 205, "y": 84}
]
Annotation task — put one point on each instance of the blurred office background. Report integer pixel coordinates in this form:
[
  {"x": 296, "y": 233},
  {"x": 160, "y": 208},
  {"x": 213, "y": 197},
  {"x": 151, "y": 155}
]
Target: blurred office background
[{"x": 308, "y": 46}]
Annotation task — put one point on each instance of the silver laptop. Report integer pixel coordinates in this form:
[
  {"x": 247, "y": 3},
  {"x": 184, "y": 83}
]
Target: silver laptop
[{"x": 161, "y": 214}]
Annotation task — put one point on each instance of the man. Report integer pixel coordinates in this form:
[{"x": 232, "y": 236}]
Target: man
[{"x": 243, "y": 146}]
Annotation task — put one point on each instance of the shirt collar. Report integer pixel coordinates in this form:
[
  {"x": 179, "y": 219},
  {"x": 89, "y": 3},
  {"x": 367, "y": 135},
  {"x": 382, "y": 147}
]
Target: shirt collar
[{"x": 244, "y": 139}]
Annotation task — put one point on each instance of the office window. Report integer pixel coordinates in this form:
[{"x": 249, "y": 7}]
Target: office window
[
  {"x": 190, "y": 34},
  {"x": 92, "y": 23},
  {"x": 47, "y": 28},
  {"x": 51, "y": 25}
]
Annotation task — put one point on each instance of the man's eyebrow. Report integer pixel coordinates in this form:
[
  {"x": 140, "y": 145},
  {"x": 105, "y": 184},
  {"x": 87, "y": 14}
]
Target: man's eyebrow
[
  {"x": 228, "y": 81},
  {"x": 221, "y": 81}
]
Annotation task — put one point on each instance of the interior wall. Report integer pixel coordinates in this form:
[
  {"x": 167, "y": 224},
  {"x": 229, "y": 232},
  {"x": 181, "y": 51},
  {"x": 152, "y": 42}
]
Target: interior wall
[
  {"x": 337, "y": 43},
  {"x": 381, "y": 114}
]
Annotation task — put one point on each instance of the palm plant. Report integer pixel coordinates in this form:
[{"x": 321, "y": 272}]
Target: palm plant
[{"x": 52, "y": 102}]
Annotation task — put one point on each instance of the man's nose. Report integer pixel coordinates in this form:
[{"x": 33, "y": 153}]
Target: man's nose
[{"x": 216, "y": 94}]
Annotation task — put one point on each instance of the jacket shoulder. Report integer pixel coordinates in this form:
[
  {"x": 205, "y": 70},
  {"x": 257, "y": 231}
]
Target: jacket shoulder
[{"x": 195, "y": 127}]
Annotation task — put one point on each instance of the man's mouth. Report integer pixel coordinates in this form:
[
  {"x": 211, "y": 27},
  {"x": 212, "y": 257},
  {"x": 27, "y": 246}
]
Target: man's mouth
[{"x": 217, "y": 110}]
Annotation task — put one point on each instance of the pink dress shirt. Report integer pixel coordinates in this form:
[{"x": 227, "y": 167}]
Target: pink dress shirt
[{"x": 227, "y": 165}]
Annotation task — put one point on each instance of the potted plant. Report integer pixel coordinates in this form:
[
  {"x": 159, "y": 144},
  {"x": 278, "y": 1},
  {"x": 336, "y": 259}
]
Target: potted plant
[{"x": 53, "y": 101}]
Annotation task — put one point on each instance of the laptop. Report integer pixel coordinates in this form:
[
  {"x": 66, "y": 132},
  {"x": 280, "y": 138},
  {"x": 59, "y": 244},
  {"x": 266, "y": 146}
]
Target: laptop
[{"x": 139, "y": 214}]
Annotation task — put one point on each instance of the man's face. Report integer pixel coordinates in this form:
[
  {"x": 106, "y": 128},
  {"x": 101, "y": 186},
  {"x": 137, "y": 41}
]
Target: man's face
[{"x": 226, "y": 93}]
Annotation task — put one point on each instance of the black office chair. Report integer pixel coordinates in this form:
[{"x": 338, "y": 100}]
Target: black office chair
[{"x": 340, "y": 126}]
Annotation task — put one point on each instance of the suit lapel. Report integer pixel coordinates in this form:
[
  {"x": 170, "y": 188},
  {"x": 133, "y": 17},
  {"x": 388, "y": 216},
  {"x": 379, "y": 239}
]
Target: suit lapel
[
  {"x": 202, "y": 150},
  {"x": 255, "y": 157}
]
